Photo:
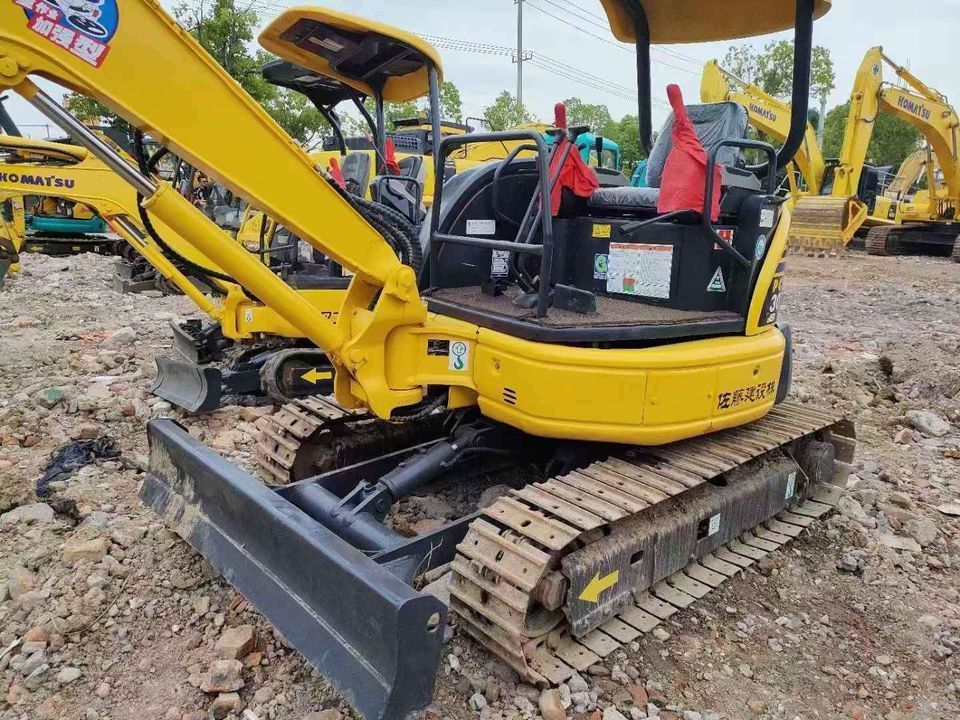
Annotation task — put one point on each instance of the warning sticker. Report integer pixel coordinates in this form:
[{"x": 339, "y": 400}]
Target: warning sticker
[
  {"x": 601, "y": 231},
  {"x": 767, "y": 216},
  {"x": 481, "y": 227},
  {"x": 500, "y": 264},
  {"x": 81, "y": 27},
  {"x": 717, "y": 283},
  {"x": 791, "y": 485},
  {"x": 714, "y": 527},
  {"x": 640, "y": 269},
  {"x": 600, "y": 266},
  {"x": 458, "y": 355}
]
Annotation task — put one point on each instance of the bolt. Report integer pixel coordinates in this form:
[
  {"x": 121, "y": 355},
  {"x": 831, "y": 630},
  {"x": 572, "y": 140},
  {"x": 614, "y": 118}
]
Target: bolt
[{"x": 9, "y": 67}]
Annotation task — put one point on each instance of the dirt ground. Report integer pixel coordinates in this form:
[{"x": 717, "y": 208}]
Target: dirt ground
[{"x": 104, "y": 613}]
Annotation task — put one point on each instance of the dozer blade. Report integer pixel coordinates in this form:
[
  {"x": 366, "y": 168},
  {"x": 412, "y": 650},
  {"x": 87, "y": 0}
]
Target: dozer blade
[
  {"x": 367, "y": 631},
  {"x": 825, "y": 225},
  {"x": 187, "y": 385}
]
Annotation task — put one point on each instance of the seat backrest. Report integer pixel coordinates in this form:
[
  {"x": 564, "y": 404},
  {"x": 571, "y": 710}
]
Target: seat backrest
[
  {"x": 356, "y": 169},
  {"x": 714, "y": 122}
]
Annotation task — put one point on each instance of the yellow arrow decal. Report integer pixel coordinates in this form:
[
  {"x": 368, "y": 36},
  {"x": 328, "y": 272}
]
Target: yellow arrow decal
[
  {"x": 591, "y": 593},
  {"x": 314, "y": 376}
]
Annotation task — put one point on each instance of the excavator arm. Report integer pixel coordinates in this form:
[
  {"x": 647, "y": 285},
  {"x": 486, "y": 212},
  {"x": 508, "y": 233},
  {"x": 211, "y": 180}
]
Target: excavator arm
[{"x": 142, "y": 69}]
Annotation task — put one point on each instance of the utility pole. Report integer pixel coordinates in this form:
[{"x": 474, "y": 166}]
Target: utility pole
[{"x": 519, "y": 53}]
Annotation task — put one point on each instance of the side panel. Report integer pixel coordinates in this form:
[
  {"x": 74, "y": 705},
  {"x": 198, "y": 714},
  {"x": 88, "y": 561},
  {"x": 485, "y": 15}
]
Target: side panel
[{"x": 646, "y": 396}]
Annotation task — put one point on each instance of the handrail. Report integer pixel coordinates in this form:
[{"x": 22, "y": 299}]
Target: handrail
[
  {"x": 545, "y": 250},
  {"x": 708, "y": 193}
]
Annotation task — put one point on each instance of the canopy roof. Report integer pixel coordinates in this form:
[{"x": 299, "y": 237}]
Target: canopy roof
[
  {"x": 321, "y": 90},
  {"x": 368, "y": 56},
  {"x": 693, "y": 21},
  {"x": 43, "y": 149}
]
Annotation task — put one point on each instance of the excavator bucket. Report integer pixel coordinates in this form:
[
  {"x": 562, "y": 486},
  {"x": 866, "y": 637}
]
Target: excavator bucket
[
  {"x": 352, "y": 614},
  {"x": 825, "y": 225}
]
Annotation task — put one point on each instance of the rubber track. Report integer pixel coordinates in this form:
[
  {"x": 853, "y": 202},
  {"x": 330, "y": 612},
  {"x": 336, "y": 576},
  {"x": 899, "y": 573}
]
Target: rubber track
[
  {"x": 519, "y": 541},
  {"x": 283, "y": 434}
]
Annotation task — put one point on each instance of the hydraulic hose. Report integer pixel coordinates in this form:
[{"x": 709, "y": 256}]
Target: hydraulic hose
[{"x": 147, "y": 166}]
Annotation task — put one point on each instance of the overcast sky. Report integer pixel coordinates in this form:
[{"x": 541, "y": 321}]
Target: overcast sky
[{"x": 919, "y": 35}]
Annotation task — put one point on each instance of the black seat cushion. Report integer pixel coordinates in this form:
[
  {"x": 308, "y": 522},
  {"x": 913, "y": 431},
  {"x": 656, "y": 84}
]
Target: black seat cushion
[{"x": 624, "y": 198}]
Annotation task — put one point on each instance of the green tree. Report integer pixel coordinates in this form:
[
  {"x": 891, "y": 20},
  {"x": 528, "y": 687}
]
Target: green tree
[
  {"x": 892, "y": 140},
  {"x": 451, "y": 104},
  {"x": 772, "y": 68},
  {"x": 580, "y": 113},
  {"x": 626, "y": 133},
  {"x": 505, "y": 113}
]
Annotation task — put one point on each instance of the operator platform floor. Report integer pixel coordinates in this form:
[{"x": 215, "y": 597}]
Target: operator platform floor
[{"x": 610, "y": 311}]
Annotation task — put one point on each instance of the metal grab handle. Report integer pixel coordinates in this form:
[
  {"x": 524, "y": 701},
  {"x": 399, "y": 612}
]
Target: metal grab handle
[
  {"x": 708, "y": 194},
  {"x": 448, "y": 145}
]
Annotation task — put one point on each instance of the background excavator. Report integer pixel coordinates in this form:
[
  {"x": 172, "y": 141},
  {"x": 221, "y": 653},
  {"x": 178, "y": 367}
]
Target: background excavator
[
  {"x": 539, "y": 308},
  {"x": 926, "y": 224}
]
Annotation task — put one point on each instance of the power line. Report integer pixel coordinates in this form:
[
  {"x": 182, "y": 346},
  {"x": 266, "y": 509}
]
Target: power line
[
  {"x": 600, "y": 37},
  {"x": 676, "y": 53}
]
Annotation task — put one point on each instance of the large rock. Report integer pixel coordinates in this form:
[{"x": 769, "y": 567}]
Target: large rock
[
  {"x": 223, "y": 677},
  {"x": 28, "y": 514},
  {"x": 929, "y": 423},
  {"x": 923, "y": 530},
  {"x": 551, "y": 705},
  {"x": 899, "y": 543},
  {"x": 94, "y": 550},
  {"x": 237, "y": 642},
  {"x": 123, "y": 336},
  {"x": 20, "y": 582}
]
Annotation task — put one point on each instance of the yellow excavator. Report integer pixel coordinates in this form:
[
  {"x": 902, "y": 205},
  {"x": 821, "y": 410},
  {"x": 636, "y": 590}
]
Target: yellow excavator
[
  {"x": 768, "y": 116},
  {"x": 13, "y": 232},
  {"x": 632, "y": 357},
  {"x": 845, "y": 214},
  {"x": 880, "y": 200},
  {"x": 927, "y": 223},
  {"x": 48, "y": 169}
]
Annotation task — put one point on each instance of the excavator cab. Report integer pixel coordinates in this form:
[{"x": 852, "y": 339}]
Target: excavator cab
[{"x": 627, "y": 355}]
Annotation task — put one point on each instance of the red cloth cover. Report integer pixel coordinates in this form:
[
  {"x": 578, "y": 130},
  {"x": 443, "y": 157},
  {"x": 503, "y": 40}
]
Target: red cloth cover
[
  {"x": 393, "y": 167},
  {"x": 575, "y": 175},
  {"x": 685, "y": 172},
  {"x": 336, "y": 172}
]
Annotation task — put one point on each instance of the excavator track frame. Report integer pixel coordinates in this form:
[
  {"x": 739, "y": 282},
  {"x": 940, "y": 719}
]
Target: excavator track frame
[{"x": 519, "y": 551}]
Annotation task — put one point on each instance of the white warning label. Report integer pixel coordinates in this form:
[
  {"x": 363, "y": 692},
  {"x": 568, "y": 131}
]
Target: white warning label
[
  {"x": 640, "y": 269},
  {"x": 791, "y": 485},
  {"x": 714, "y": 526},
  {"x": 717, "y": 283},
  {"x": 500, "y": 264},
  {"x": 481, "y": 227}
]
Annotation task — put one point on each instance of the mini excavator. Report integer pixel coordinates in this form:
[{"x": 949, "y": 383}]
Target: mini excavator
[{"x": 629, "y": 360}]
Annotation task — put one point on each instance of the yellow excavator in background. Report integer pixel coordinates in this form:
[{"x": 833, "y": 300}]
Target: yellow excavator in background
[
  {"x": 13, "y": 232},
  {"x": 927, "y": 223},
  {"x": 632, "y": 360},
  {"x": 771, "y": 117},
  {"x": 881, "y": 201}
]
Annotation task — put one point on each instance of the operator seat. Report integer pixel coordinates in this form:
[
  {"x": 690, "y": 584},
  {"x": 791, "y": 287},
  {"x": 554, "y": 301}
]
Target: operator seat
[
  {"x": 357, "y": 170},
  {"x": 713, "y": 122}
]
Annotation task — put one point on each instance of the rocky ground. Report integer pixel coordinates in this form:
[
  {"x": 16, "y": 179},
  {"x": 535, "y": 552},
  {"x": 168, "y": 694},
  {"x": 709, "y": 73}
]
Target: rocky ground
[{"x": 104, "y": 613}]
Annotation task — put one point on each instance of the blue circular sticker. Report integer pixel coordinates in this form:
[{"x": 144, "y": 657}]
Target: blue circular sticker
[
  {"x": 761, "y": 246},
  {"x": 95, "y": 18}
]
